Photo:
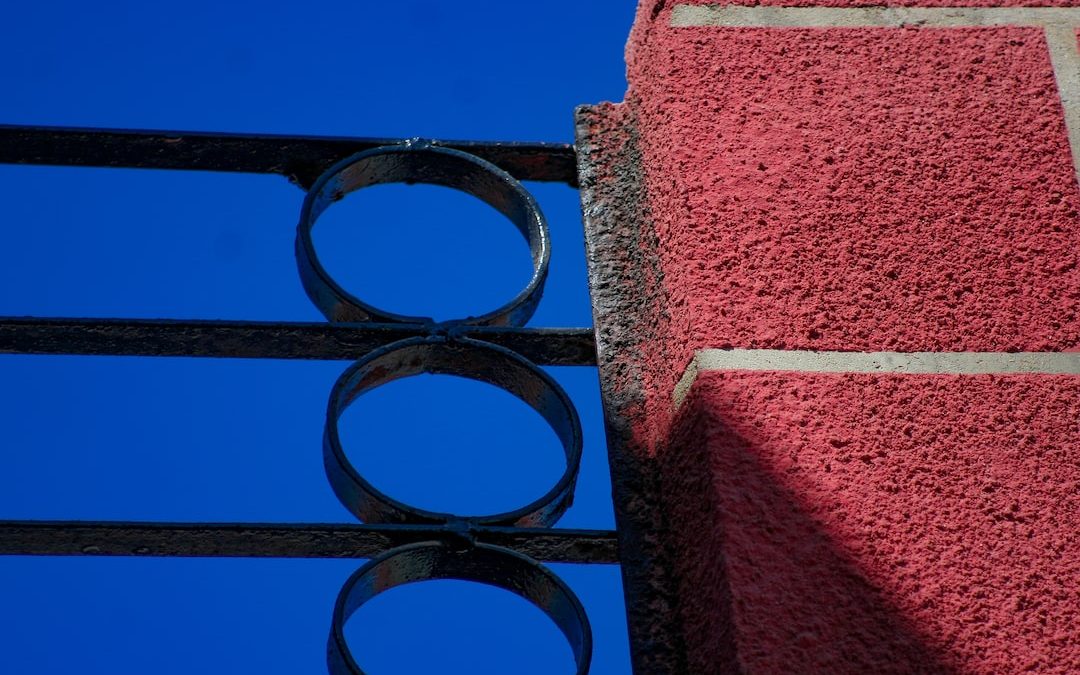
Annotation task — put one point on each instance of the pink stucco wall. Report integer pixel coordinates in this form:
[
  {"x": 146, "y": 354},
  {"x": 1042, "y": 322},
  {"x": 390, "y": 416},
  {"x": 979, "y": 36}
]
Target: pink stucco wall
[
  {"x": 878, "y": 523},
  {"x": 852, "y": 189},
  {"x": 891, "y": 3},
  {"x": 861, "y": 188}
]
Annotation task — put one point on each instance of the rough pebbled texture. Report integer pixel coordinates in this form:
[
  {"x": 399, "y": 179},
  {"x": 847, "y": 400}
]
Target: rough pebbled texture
[
  {"x": 878, "y": 523},
  {"x": 630, "y": 316},
  {"x": 883, "y": 3},
  {"x": 848, "y": 189},
  {"x": 866, "y": 189}
]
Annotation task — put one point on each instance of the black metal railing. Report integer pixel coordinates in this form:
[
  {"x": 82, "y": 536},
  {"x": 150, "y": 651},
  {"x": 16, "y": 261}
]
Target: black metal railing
[{"x": 404, "y": 543}]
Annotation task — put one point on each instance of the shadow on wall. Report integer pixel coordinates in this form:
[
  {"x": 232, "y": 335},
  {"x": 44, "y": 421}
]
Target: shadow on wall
[{"x": 761, "y": 587}]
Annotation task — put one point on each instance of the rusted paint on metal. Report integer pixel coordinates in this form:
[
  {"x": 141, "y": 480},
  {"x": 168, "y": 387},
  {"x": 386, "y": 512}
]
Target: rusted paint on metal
[
  {"x": 449, "y": 355},
  {"x": 420, "y": 161},
  {"x": 299, "y": 158},
  {"x": 278, "y": 540},
  {"x": 408, "y": 544},
  {"x": 269, "y": 340},
  {"x": 494, "y": 566}
]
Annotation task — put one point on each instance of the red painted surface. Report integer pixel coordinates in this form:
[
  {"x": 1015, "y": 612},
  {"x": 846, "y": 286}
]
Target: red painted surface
[
  {"x": 879, "y": 523},
  {"x": 860, "y": 189},
  {"x": 889, "y": 3},
  {"x": 856, "y": 189}
]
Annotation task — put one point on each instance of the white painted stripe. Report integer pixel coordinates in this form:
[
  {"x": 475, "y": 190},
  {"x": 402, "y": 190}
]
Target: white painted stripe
[
  {"x": 1059, "y": 24},
  {"x": 831, "y": 17},
  {"x": 962, "y": 363},
  {"x": 909, "y": 363},
  {"x": 1061, "y": 39}
]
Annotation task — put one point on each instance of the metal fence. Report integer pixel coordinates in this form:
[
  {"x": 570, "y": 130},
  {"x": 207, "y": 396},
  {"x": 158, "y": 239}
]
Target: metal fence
[{"x": 404, "y": 543}]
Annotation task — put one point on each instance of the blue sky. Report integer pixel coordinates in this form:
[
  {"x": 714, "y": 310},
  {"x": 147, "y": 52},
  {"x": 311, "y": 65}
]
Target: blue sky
[{"x": 239, "y": 440}]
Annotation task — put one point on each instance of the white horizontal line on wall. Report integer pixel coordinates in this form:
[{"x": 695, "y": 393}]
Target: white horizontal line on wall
[
  {"x": 911, "y": 363},
  {"x": 827, "y": 17}
]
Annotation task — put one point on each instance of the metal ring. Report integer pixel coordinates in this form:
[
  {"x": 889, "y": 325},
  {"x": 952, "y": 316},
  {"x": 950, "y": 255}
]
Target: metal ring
[
  {"x": 421, "y": 162},
  {"x": 490, "y": 565},
  {"x": 466, "y": 358}
]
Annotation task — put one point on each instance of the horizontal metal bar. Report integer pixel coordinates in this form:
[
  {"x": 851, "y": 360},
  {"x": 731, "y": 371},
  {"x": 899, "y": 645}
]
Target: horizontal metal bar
[
  {"x": 300, "y": 158},
  {"x": 274, "y": 540},
  {"x": 267, "y": 340}
]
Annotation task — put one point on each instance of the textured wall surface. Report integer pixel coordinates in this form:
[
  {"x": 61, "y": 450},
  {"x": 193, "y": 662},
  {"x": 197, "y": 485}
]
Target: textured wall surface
[
  {"x": 880, "y": 523},
  {"x": 857, "y": 181},
  {"x": 877, "y": 188},
  {"x": 892, "y": 3}
]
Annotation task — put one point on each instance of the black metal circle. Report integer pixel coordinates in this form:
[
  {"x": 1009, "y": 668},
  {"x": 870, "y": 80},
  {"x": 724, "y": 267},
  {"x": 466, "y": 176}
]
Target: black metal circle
[
  {"x": 466, "y": 358},
  {"x": 490, "y": 565},
  {"x": 421, "y": 162}
]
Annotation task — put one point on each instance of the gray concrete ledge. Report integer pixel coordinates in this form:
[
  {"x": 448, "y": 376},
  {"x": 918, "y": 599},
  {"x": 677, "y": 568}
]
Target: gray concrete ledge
[{"x": 914, "y": 363}]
